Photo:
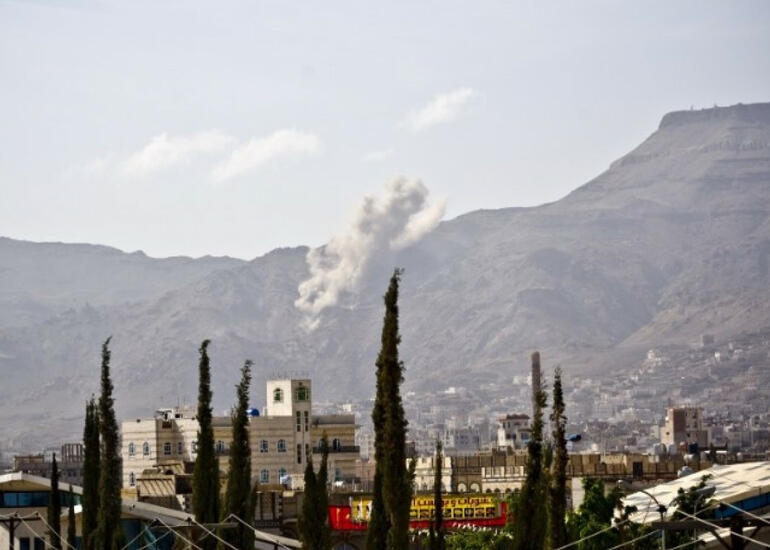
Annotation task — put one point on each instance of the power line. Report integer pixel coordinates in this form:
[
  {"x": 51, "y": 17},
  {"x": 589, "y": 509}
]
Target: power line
[
  {"x": 213, "y": 534},
  {"x": 646, "y": 535},
  {"x": 714, "y": 525},
  {"x": 592, "y": 535},
  {"x": 274, "y": 540}
]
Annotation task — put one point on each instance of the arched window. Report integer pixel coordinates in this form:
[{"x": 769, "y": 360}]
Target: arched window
[
  {"x": 475, "y": 488},
  {"x": 264, "y": 476},
  {"x": 131, "y": 479},
  {"x": 145, "y": 449},
  {"x": 277, "y": 395},
  {"x": 220, "y": 446},
  {"x": 281, "y": 446},
  {"x": 167, "y": 448},
  {"x": 338, "y": 474},
  {"x": 461, "y": 487},
  {"x": 263, "y": 446},
  {"x": 281, "y": 474},
  {"x": 131, "y": 449},
  {"x": 302, "y": 394}
]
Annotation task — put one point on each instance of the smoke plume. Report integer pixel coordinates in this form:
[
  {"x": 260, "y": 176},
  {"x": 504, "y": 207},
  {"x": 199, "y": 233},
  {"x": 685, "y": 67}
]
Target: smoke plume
[{"x": 396, "y": 220}]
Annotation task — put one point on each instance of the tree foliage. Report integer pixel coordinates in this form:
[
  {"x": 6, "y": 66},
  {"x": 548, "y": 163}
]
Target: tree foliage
[
  {"x": 109, "y": 534},
  {"x": 437, "y": 535},
  {"x": 54, "y": 507},
  {"x": 238, "y": 496},
  {"x": 91, "y": 464},
  {"x": 71, "y": 521},
  {"x": 557, "y": 491},
  {"x": 205, "y": 482},
  {"x": 313, "y": 525},
  {"x": 389, "y": 520},
  {"x": 530, "y": 519}
]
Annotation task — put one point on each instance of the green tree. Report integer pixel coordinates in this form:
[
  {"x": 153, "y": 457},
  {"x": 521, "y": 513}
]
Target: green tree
[
  {"x": 314, "y": 529},
  {"x": 238, "y": 495},
  {"x": 396, "y": 485},
  {"x": 71, "y": 521},
  {"x": 109, "y": 534},
  {"x": 530, "y": 518},
  {"x": 594, "y": 515},
  {"x": 91, "y": 464},
  {"x": 692, "y": 502},
  {"x": 205, "y": 481},
  {"x": 436, "y": 533},
  {"x": 557, "y": 493},
  {"x": 54, "y": 507}
]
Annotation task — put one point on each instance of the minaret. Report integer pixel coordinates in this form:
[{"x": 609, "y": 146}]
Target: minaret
[{"x": 536, "y": 380}]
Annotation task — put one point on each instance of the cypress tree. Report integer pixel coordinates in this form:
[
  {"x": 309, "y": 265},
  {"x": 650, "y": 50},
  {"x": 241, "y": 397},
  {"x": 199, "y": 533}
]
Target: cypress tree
[
  {"x": 396, "y": 485},
  {"x": 71, "y": 525},
  {"x": 557, "y": 493},
  {"x": 54, "y": 507},
  {"x": 379, "y": 523},
  {"x": 205, "y": 482},
  {"x": 238, "y": 495},
  {"x": 91, "y": 460},
  {"x": 529, "y": 522},
  {"x": 438, "y": 501},
  {"x": 315, "y": 532},
  {"x": 109, "y": 533}
]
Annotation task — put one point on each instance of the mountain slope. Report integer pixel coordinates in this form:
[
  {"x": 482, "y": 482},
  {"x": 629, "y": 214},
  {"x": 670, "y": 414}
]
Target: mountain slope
[{"x": 671, "y": 241}]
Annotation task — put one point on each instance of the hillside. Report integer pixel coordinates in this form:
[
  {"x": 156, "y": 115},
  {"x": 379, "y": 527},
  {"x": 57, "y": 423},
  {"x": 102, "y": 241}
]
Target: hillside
[{"x": 673, "y": 240}]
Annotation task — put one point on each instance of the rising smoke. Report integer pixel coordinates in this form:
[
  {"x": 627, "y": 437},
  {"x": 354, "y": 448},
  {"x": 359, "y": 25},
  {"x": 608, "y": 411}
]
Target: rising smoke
[{"x": 396, "y": 220}]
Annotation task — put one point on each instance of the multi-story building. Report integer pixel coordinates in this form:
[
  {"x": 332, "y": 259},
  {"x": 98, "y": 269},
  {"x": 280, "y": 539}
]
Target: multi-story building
[
  {"x": 170, "y": 437},
  {"x": 513, "y": 431},
  {"x": 282, "y": 438},
  {"x": 287, "y": 435},
  {"x": 684, "y": 425}
]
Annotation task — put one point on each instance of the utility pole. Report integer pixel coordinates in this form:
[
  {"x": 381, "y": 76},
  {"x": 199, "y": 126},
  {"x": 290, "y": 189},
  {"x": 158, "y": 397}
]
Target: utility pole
[{"x": 12, "y": 522}]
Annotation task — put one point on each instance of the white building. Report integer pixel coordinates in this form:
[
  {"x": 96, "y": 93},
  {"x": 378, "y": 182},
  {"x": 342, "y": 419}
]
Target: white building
[{"x": 513, "y": 431}]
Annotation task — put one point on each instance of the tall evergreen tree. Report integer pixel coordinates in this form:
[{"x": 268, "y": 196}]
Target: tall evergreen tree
[
  {"x": 238, "y": 495},
  {"x": 396, "y": 485},
  {"x": 437, "y": 526},
  {"x": 205, "y": 482},
  {"x": 109, "y": 534},
  {"x": 314, "y": 529},
  {"x": 557, "y": 493},
  {"x": 71, "y": 521},
  {"x": 54, "y": 507},
  {"x": 91, "y": 464},
  {"x": 530, "y": 519}
]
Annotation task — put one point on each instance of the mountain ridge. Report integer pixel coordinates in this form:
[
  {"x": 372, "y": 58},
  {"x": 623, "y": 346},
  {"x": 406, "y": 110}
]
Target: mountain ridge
[{"x": 662, "y": 247}]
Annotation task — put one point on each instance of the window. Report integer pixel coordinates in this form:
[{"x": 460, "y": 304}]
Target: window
[
  {"x": 131, "y": 479},
  {"x": 145, "y": 449},
  {"x": 264, "y": 476},
  {"x": 302, "y": 393},
  {"x": 24, "y": 543},
  {"x": 220, "y": 446},
  {"x": 167, "y": 448},
  {"x": 307, "y": 451},
  {"x": 179, "y": 447},
  {"x": 299, "y": 453},
  {"x": 263, "y": 446},
  {"x": 337, "y": 474},
  {"x": 39, "y": 544},
  {"x": 307, "y": 420},
  {"x": 336, "y": 445},
  {"x": 131, "y": 449},
  {"x": 299, "y": 421},
  {"x": 194, "y": 447},
  {"x": 281, "y": 446},
  {"x": 277, "y": 395},
  {"x": 282, "y": 475}
]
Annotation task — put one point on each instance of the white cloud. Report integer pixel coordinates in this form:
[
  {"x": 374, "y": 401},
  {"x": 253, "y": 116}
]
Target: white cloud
[
  {"x": 399, "y": 218},
  {"x": 163, "y": 152},
  {"x": 441, "y": 109},
  {"x": 256, "y": 152},
  {"x": 377, "y": 156}
]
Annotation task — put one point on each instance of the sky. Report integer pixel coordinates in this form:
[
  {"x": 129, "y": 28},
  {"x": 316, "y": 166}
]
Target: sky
[{"x": 232, "y": 128}]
